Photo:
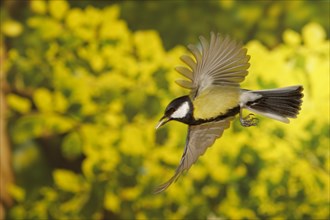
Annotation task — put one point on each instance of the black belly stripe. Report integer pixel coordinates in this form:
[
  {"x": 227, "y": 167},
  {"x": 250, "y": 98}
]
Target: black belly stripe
[{"x": 229, "y": 113}]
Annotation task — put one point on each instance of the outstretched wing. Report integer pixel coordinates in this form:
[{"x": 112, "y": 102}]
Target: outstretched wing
[
  {"x": 199, "y": 138},
  {"x": 220, "y": 62}
]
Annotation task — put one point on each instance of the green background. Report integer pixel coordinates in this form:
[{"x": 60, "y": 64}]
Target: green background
[{"x": 85, "y": 82}]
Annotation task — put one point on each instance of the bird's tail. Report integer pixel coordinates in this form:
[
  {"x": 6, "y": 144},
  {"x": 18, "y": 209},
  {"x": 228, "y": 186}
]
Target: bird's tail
[{"x": 279, "y": 104}]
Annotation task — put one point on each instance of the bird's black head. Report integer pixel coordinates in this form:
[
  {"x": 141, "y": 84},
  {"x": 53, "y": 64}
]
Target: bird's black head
[{"x": 180, "y": 109}]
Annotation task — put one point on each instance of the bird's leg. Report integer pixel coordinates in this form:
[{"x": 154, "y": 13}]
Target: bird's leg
[{"x": 248, "y": 120}]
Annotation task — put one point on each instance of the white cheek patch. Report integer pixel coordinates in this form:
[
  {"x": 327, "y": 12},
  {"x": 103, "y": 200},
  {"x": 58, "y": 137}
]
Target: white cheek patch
[{"x": 182, "y": 111}]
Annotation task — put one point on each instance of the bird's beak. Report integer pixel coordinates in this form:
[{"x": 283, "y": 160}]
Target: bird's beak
[{"x": 162, "y": 121}]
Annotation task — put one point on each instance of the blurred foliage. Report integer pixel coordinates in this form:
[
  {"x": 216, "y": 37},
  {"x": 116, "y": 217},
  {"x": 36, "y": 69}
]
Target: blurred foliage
[
  {"x": 85, "y": 93},
  {"x": 261, "y": 20},
  {"x": 182, "y": 21}
]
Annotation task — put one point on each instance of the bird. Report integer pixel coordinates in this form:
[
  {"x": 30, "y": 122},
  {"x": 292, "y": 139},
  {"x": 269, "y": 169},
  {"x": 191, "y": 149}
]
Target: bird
[{"x": 213, "y": 76}]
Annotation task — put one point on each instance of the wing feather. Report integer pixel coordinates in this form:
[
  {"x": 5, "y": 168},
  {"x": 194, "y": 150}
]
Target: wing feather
[
  {"x": 185, "y": 72},
  {"x": 221, "y": 61},
  {"x": 189, "y": 61},
  {"x": 199, "y": 138},
  {"x": 197, "y": 54},
  {"x": 184, "y": 83}
]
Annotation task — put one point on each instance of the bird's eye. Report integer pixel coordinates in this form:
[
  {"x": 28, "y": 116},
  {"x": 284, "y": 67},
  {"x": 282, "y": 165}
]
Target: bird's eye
[{"x": 169, "y": 111}]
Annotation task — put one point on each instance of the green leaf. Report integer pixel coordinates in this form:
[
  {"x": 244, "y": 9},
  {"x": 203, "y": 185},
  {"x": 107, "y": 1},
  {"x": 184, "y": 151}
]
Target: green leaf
[
  {"x": 28, "y": 127},
  {"x": 58, "y": 8},
  {"x": 71, "y": 145},
  {"x": 43, "y": 100},
  {"x": 38, "y": 7},
  {"x": 17, "y": 192},
  {"x": 11, "y": 28},
  {"x": 68, "y": 181},
  {"x": 58, "y": 123},
  {"x": 18, "y": 103}
]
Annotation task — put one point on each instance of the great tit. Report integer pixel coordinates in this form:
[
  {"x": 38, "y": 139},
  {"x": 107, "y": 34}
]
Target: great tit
[{"x": 214, "y": 77}]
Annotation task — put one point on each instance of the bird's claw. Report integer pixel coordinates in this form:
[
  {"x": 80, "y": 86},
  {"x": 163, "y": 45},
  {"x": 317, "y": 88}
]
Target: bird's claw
[{"x": 249, "y": 120}]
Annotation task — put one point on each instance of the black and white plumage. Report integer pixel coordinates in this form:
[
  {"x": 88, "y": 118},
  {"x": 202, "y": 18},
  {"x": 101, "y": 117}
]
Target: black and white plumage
[{"x": 213, "y": 77}]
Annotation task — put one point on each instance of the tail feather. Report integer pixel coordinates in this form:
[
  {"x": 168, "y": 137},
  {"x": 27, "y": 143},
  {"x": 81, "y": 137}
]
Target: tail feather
[{"x": 279, "y": 104}]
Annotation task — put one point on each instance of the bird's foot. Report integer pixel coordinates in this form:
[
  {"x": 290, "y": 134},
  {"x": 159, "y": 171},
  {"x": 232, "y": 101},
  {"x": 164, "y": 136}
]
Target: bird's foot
[{"x": 248, "y": 120}]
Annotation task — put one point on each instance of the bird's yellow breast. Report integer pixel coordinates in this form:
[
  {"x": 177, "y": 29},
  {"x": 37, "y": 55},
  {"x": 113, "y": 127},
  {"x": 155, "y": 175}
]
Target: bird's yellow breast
[{"x": 215, "y": 101}]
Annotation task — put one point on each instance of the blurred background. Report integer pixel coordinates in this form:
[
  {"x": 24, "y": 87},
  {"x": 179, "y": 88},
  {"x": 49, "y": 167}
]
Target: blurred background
[{"x": 83, "y": 84}]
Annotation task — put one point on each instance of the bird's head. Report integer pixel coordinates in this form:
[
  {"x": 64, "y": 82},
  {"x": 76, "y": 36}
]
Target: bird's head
[{"x": 180, "y": 109}]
